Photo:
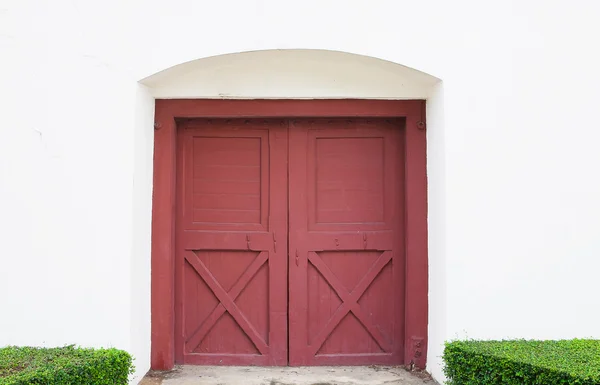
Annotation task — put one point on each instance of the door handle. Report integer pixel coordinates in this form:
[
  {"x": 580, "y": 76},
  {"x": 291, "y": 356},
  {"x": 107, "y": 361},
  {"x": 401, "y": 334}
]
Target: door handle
[{"x": 297, "y": 259}]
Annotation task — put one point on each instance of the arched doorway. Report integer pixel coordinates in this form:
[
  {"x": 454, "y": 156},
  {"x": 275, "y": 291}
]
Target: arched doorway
[{"x": 288, "y": 231}]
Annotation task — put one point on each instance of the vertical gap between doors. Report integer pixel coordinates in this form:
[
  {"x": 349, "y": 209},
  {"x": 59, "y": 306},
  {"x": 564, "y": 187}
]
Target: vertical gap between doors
[{"x": 288, "y": 238}]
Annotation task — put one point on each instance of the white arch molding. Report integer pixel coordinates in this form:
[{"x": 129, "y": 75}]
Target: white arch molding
[{"x": 290, "y": 74}]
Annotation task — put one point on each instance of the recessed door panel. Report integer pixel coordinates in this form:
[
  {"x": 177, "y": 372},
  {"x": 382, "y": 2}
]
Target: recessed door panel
[
  {"x": 346, "y": 242},
  {"x": 231, "y": 243}
]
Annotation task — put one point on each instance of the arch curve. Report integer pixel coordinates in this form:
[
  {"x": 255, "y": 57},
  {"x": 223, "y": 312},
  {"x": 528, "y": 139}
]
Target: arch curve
[{"x": 290, "y": 74}]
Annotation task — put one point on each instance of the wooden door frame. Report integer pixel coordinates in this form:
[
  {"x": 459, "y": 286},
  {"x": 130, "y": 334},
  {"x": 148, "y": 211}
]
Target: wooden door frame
[{"x": 168, "y": 111}]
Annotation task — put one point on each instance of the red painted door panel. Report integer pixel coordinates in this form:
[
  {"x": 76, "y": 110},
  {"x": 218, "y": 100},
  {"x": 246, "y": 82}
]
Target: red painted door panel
[
  {"x": 231, "y": 273},
  {"x": 346, "y": 242}
]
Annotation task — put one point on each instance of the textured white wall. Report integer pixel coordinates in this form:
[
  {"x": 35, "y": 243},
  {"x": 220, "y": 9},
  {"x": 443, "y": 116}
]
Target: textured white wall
[
  {"x": 513, "y": 184},
  {"x": 75, "y": 176},
  {"x": 436, "y": 200},
  {"x": 143, "y": 138}
]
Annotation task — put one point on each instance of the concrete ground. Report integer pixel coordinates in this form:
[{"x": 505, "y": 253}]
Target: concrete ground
[{"x": 228, "y": 375}]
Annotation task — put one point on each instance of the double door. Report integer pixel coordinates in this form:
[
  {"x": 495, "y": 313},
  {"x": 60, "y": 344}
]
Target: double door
[{"x": 290, "y": 242}]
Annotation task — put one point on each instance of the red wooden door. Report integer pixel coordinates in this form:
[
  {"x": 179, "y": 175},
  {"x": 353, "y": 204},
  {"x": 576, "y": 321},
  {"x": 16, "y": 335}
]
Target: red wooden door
[
  {"x": 346, "y": 242},
  {"x": 231, "y": 273}
]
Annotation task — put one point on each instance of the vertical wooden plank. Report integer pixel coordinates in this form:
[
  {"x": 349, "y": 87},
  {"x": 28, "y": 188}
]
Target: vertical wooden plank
[
  {"x": 278, "y": 227},
  {"x": 181, "y": 176},
  {"x": 416, "y": 239},
  {"x": 397, "y": 159},
  {"x": 163, "y": 245},
  {"x": 298, "y": 338}
]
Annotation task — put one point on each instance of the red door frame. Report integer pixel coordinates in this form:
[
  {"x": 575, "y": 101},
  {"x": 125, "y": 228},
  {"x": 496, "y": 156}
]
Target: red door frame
[{"x": 163, "y": 203}]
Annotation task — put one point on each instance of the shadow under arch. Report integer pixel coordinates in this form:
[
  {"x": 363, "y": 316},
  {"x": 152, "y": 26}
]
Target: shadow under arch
[{"x": 290, "y": 74}]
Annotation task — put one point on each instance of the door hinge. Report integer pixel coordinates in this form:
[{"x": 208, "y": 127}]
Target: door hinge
[{"x": 421, "y": 123}]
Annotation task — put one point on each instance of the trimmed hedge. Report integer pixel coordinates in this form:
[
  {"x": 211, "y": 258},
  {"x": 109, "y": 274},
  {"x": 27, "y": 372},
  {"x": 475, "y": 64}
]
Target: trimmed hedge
[
  {"x": 66, "y": 365},
  {"x": 523, "y": 362}
]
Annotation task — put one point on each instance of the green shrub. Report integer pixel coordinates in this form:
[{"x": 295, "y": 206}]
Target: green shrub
[
  {"x": 66, "y": 365},
  {"x": 523, "y": 362}
]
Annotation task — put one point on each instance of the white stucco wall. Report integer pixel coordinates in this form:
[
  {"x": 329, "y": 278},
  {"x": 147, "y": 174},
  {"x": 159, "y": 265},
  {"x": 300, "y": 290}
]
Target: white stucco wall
[
  {"x": 512, "y": 141},
  {"x": 75, "y": 180}
]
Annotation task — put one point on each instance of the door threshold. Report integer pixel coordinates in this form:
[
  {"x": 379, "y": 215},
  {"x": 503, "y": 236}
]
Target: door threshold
[{"x": 314, "y": 375}]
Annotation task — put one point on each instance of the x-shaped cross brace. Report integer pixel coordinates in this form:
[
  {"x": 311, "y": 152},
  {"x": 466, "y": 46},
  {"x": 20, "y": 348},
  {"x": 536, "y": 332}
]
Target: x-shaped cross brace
[
  {"x": 350, "y": 301},
  {"x": 226, "y": 302}
]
